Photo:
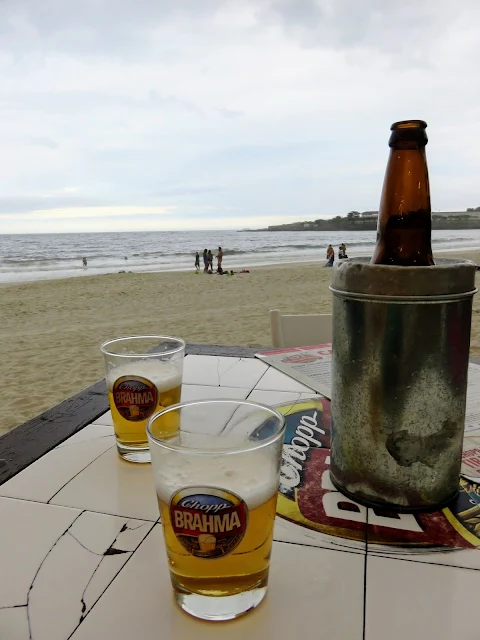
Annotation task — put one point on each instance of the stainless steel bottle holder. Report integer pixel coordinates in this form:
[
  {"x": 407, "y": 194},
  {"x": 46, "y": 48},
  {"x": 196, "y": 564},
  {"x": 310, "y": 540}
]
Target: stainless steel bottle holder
[{"x": 401, "y": 340}]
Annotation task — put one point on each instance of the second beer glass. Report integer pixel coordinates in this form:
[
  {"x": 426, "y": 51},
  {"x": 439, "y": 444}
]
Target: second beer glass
[
  {"x": 144, "y": 375},
  {"x": 217, "y": 483}
]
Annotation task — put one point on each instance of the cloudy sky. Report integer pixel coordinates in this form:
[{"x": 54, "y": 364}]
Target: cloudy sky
[{"x": 185, "y": 114}]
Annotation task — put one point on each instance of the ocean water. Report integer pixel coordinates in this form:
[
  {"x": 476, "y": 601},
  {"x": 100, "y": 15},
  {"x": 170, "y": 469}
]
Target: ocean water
[{"x": 47, "y": 256}]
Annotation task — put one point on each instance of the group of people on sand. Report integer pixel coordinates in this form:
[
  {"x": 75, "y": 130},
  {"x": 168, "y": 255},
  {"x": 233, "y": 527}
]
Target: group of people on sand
[
  {"x": 208, "y": 261},
  {"x": 342, "y": 254}
]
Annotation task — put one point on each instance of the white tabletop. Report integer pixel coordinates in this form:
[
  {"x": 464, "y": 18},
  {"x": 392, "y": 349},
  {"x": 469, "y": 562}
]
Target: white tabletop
[{"x": 82, "y": 556}]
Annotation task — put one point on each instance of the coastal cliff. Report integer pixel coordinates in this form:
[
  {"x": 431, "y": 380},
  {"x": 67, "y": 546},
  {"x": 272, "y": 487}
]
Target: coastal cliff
[{"x": 367, "y": 221}]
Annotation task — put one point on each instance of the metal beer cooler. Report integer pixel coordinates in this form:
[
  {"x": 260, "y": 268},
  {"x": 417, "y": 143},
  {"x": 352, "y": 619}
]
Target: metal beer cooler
[{"x": 401, "y": 340}]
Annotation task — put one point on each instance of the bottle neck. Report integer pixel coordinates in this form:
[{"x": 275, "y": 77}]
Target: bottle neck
[
  {"x": 406, "y": 186},
  {"x": 404, "y": 220}
]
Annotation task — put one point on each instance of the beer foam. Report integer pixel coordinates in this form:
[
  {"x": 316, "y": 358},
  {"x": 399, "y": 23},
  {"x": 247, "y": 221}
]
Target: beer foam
[
  {"x": 253, "y": 475},
  {"x": 164, "y": 375}
]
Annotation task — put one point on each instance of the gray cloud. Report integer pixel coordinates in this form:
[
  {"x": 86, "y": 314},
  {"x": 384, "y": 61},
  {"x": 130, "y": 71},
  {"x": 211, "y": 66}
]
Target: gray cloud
[
  {"x": 230, "y": 113},
  {"x": 92, "y": 27},
  {"x": 68, "y": 101},
  {"x": 24, "y": 204},
  {"x": 124, "y": 30},
  {"x": 170, "y": 101},
  {"x": 390, "y": 26},
  {"x": 39, "y": 141}
]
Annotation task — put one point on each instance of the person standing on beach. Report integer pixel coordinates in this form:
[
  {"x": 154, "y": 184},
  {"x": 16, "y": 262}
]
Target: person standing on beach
[
  {"x": 219, "y": 259},
  {"x": 205, "y": 260},
  {"x": 330, "y": 256},
  {"x": 197, "y": 261},
  {"x": 210, "y": 260},
  {"x": 84, "y": 262}
]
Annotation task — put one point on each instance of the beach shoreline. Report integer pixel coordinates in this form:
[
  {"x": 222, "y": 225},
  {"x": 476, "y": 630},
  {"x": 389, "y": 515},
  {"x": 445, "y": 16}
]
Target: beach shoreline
[
  {"x": 31, "y": 258},
  {"x": 51, "y": 330},
  {"x": 84, "y": 273}
]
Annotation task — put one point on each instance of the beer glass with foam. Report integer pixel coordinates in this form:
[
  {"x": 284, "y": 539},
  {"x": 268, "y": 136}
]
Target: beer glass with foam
[
  {"x": 217, "y": 482},
  {"x": 143, "y": 375}
]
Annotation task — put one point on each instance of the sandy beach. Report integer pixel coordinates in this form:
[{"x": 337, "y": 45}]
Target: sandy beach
[{"x": 51, "y": 330}]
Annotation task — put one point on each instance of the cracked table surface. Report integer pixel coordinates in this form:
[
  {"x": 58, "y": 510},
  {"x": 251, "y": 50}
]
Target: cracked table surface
[{"x": 82, "y": 557}]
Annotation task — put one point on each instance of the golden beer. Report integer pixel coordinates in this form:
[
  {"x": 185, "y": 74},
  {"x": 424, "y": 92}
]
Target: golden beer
[
  {"x": 245, "y": 568},
  {"x": 136, "y": 391},
  {"x": 218, "y": 514},
  {"x": 217, "y": 482}
]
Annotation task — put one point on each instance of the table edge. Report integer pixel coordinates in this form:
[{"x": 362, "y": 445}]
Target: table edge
[{"x": 28, "y": 442}]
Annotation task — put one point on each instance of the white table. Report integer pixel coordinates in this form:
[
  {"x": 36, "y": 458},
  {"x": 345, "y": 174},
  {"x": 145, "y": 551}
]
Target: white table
[{"x": 82, "y": 557}]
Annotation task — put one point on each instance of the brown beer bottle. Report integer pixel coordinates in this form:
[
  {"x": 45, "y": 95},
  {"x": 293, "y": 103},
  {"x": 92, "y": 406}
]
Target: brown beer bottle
[{"x": 404, "y": 226}]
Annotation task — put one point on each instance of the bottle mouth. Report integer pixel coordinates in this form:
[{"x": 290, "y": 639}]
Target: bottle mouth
[
  {"x": 408, "y": 124},
  {"x": 408, "y": 135}
]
